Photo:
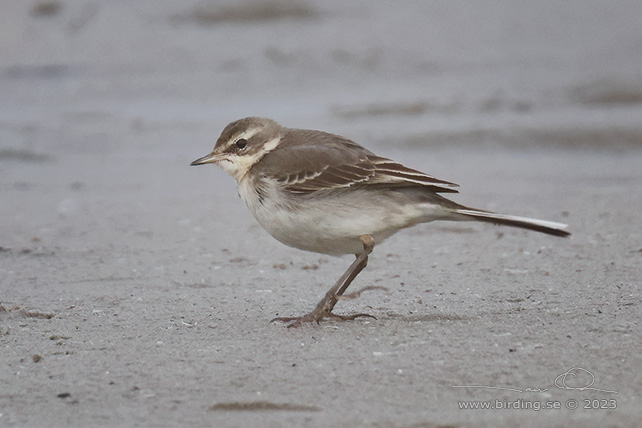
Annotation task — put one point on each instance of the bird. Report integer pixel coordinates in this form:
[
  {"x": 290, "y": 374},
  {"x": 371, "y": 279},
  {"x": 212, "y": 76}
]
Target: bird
[{"x": 324, "y": 193}]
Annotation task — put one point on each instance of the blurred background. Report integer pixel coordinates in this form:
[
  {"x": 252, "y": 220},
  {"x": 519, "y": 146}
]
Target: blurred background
[{"x": 83, "y": 74}]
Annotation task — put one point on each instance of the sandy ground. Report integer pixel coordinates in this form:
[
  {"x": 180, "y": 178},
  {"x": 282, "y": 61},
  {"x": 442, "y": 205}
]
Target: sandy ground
[{"x": 137, "y": 291}]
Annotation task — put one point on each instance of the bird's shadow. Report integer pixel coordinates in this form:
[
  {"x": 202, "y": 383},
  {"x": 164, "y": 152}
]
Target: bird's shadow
[{"x": 425, "y": 317}]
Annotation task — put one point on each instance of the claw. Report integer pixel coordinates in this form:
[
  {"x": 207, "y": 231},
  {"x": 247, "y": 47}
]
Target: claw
[{"x": 312, "y": 317}]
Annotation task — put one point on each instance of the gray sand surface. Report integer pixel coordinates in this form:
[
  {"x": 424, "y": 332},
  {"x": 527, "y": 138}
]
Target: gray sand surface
[{"x": 137, "y": 291}]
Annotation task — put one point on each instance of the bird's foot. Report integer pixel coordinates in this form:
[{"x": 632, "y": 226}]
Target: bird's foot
[
  {"x": 312, "y": 317},
  {"x": 323, "y": 310},
  {"x": 325, "y": 306}
]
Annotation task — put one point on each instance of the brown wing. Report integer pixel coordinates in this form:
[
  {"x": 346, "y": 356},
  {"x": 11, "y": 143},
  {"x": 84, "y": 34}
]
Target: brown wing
[
  {"x": 306, "y": 162},
  {"x": 390, "y": 172},
  {"x": 331, "y": 177}
]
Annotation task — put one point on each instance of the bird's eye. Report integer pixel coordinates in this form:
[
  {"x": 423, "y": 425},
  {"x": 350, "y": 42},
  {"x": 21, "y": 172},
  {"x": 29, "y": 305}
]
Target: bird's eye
[{"x": 241, "y": 143}]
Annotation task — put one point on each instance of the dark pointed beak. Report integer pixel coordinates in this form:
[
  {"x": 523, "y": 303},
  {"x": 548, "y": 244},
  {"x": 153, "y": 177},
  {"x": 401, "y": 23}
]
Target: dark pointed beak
[{"x": 211, "y": 158}]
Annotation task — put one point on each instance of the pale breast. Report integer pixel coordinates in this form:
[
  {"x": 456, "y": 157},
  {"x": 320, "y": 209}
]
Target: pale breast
[{"x": 329, "y": 226}]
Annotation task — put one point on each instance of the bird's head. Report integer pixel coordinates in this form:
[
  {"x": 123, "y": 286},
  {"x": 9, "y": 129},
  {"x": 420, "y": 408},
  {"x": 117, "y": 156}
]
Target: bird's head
[{"x": 242, "y": 144}]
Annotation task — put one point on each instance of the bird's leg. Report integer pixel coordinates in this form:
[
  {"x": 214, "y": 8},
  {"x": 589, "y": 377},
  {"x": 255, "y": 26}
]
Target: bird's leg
[{"x": 325, "y": 306}]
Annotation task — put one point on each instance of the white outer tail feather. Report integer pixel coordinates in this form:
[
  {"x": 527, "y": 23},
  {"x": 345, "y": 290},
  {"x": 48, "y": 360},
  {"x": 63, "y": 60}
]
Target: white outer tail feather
[{"x": 514, "y": 220}]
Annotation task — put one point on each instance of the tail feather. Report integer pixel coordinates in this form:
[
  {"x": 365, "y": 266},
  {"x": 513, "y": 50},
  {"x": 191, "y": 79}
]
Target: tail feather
[{"x": 544, "y": 226}]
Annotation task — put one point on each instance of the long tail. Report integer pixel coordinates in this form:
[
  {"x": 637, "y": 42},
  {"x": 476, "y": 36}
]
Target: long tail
[{"x": 544, "y": 226}]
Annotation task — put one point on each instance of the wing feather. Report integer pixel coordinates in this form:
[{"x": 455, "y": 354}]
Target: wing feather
[
  {"x": 389, "y": 171},
  {"x": 309, "y": 161},
  {"x": 365, "y": 173},
  {"x": 332, "y": 177}
]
